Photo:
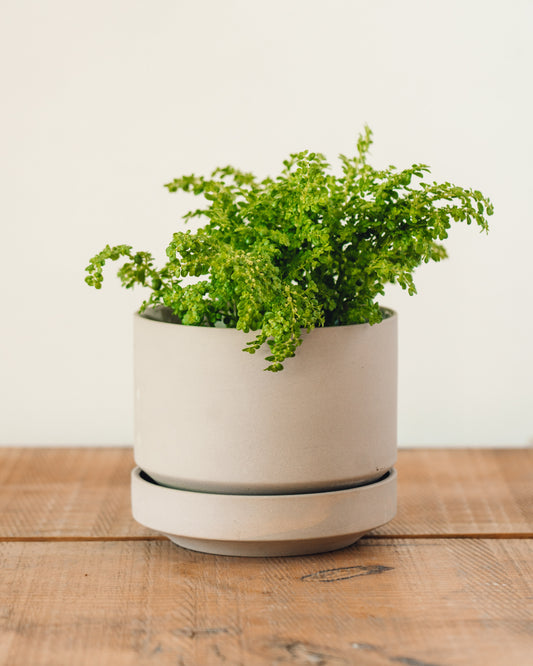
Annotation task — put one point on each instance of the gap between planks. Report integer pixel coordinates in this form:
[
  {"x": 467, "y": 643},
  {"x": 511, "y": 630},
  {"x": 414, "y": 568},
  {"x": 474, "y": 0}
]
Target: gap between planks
[{"x": 375, "y": 537}]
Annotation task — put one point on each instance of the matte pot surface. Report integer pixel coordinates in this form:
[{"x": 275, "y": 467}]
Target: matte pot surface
[{"x": 209, "y": 418}]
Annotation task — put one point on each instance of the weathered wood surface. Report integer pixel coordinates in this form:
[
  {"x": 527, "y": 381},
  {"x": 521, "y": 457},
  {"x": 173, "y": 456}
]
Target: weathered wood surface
[
  {"x": 384, "y": 602},
  {"x": 448, "y": 583},
  {"x": 85, "y": 493},
  {"x": 464, "y": 492}
]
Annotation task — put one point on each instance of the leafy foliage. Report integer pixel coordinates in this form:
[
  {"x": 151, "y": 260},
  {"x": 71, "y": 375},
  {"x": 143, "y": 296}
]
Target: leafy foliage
[{"x": 306, "y": 249}]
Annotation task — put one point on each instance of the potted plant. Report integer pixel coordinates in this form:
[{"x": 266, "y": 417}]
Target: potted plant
[{"x": 298, "y": 459}]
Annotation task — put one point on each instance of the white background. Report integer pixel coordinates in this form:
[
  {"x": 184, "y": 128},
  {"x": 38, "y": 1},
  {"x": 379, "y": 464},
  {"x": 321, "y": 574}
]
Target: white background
[{"x": 104, "y": 101}]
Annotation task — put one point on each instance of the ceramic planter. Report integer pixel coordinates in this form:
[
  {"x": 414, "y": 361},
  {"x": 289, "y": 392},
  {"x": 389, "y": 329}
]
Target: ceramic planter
[{"x": 235, "y": 460}]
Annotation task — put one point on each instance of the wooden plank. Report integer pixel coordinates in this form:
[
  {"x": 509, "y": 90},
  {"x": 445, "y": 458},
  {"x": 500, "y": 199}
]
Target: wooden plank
[
  {"x": 463, "y": 492},
  {"x": 85, "y": 493},
  {"x": 66, "y": 492},
  {"x": 384, "y": 602}
]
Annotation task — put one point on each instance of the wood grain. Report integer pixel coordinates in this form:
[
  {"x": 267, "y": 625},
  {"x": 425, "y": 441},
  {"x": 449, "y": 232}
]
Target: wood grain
[
  {"x": 445, "y": 492},
  {"x": 384, "y": 602},
  {"x": 85, "y": 493},
  {"x": 66, "y": 493},
  {"x": 81, "y": 583}
]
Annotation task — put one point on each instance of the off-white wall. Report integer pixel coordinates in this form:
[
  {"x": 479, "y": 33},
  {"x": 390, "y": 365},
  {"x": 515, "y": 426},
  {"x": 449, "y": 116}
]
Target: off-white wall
[{"x": 105, "y": 101}]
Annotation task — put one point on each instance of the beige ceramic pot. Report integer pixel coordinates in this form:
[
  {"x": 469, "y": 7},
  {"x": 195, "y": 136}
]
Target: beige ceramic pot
[{"x": 236, "y": 460}]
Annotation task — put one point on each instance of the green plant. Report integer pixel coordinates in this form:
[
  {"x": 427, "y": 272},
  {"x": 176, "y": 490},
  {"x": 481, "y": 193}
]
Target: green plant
[{"x": 306, "y": 249}]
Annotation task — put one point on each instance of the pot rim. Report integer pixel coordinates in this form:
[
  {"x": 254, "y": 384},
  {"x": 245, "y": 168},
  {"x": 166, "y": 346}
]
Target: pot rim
[{"x": 162, "y": 314}]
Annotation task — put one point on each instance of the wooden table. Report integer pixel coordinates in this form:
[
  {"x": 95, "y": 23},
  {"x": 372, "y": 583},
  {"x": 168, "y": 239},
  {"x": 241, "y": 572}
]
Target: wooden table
[{"x": 448, "y": 582}]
